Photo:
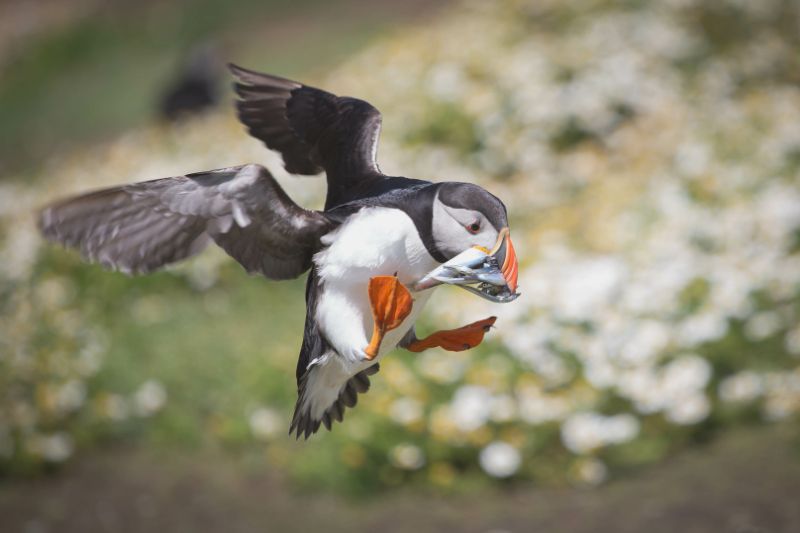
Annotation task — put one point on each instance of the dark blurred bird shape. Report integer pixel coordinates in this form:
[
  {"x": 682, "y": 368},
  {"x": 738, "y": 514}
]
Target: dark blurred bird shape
[
  {"x": 196, "y": 87},
  {"x": 375, "y": 252}
]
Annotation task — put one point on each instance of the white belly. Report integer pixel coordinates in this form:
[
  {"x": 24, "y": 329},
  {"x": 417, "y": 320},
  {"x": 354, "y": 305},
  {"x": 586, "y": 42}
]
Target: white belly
[{"x": 375, "y": 241}]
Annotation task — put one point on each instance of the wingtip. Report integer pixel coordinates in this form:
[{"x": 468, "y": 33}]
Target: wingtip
[
  {"x": 249, "y": 78},
  {"x": 44, "y": 217},
  {"x": 47, "y": 223},
  {"x": 234, "y": 68},
  {"x": 243, "y": 77},
  {"x": 242, "y": 74}
]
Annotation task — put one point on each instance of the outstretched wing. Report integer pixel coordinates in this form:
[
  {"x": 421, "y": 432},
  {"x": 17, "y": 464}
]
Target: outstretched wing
[
  {"x": 141, "y": 227},
  {"x": 314, "y": 130}
]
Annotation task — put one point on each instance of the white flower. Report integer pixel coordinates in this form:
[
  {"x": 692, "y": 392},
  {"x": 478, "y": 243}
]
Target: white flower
[
  {"x": 600, "y": 373},
  {"x": 621, "y": 428},
  {"x": 743, "y": 387},
  {"x": 149, "y": 398},
  {"x": 792, "y": 341},
  {"x": 503, "y": 408},
  {"x": 643, "y": 386},
  {"x": 692, "y": 158},
  {"x": 407, "y": 457},
  {"x": 441, "y": 369},
  {"x": 779, "y": 205},
  {"x": 586, "y": 431},
  {"x": 265, "y": 423},
  {"x": 203, "y": 272},
  {"x": 586, "y": 286},
  {"x": 446, "y": 81},
  {"x": 647, "y": 341},
  {"x": 71, "y": 396},
  {"x": 762, "y": 325},
  {"x": 471, "y": 407},
  {"x": 18, "y": 252},
  {"x": 686, "y": 373},
  {"x": 591, "y": 471},
  {"x": 689, "y": 409},
  {"x": 703, "y": 327},
  {"x": 654, "y": 390},
  {"x": 537, "y": 408},
  {"x": 778, "y": 407},
  {"x": 405, "y": 411},
  {"x": 730, "y": 289},
  {"x": 547, "y": 365},
  {"x": 90, "y": 357},
  {"x": 782, "y": 394},
  {"x": 56, "y": 447},
  {"x": 500, "y": 459}
]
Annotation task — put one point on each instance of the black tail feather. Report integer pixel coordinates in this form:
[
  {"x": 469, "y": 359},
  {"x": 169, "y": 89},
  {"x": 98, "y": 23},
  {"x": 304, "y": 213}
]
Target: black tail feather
[{"x": 303, "y": 424}]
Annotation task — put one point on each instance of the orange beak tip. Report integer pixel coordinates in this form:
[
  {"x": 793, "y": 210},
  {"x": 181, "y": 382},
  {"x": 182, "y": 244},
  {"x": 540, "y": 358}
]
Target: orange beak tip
[{"x": 510, "y": 268}]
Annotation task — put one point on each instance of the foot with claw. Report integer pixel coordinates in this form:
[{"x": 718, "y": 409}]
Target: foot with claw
[
  {"x": 455, "y": 340},
  {"x": 391, "y": 303}
]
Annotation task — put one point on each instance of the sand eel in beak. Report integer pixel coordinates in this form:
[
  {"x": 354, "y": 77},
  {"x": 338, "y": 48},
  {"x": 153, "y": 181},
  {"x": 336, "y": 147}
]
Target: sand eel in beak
[
  {"x": 494, "y": 272},
  {"x": 376, "y": 252}
]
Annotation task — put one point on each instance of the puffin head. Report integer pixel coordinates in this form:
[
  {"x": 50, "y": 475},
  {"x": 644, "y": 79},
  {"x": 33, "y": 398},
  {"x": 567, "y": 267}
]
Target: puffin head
[{"x": 470, "y": 231}]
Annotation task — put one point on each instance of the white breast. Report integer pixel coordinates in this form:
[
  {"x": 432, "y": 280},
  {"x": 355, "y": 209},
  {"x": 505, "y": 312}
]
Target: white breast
[{"x": 375, "y": 241}]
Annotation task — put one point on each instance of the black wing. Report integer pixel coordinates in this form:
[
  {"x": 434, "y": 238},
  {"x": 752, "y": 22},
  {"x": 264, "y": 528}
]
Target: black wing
[
  {"x": 141, "y": 227},
  {"x": 314, "y": 130}
]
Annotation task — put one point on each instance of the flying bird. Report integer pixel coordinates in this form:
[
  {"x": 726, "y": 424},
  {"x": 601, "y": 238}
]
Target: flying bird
[
  {"x": 195, "y": 89},
  {"x": 375, "y": 252}
]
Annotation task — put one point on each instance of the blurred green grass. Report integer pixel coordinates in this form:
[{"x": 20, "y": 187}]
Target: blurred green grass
[{"x": 217, "y": 351}]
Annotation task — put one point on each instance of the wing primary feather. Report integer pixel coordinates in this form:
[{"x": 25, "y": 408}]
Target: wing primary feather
[{"x": 313, "y": 129}]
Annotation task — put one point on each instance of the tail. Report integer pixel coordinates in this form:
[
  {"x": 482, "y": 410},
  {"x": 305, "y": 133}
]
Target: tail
[{"x": 318, "y": 403}]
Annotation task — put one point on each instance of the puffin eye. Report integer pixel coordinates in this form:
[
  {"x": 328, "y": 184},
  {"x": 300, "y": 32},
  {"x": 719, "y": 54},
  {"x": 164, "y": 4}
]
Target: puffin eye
[{"x": 473, "y": 228}]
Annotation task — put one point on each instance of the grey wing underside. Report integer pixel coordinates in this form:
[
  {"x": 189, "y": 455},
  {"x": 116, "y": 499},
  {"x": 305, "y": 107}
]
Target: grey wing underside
[
  {"x": 141, "y": 227},
  {"x": 313, "y": 130}
]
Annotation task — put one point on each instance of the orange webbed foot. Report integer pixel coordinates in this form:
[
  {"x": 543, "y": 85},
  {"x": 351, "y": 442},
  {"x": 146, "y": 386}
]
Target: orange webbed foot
[
  {"x": 391, "y": 303},
  {"x": 455, "y": 340}
]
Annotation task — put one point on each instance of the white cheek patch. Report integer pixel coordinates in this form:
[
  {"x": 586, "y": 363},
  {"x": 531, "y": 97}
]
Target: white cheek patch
[
  {"x": 450, "y": 229},
  {"x": 448, "y": 233}
]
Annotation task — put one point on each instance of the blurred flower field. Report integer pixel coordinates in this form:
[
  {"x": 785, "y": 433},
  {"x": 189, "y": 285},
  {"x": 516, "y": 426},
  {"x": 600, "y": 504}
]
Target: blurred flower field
[{"x": 649, "y": 154}]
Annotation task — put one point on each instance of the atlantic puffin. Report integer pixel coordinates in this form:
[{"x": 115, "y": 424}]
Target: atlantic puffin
[{"x": 375, "y": 252}]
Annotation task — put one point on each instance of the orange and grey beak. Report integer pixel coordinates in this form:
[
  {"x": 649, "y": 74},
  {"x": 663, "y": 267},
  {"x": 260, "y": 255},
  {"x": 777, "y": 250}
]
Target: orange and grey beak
[
  {"x": 489, "y": 274},
  {"x": 507, "y": 259}
]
